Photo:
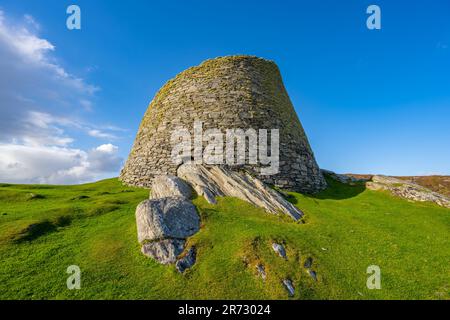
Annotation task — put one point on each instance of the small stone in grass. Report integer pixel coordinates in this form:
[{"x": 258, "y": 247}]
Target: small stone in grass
[
  {"x": 278, "y": 248},
  {"x": 261, "y": 271},
  {"x": 289, "y": 287},
  {"x": 187, "y": 261},
  {"x": 313, "y": 274}
]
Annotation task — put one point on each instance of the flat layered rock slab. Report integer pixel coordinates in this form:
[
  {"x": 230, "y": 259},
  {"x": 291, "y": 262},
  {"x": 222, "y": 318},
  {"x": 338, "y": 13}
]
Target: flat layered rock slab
[{"x": 215, "y": 181}]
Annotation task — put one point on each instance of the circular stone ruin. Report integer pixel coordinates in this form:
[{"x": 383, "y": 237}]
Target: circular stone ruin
[{"x": 228, "y": 92}]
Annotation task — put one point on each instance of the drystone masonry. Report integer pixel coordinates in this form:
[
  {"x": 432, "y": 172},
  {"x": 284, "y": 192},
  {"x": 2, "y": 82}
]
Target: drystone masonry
[{"x": 236, "y": 92}]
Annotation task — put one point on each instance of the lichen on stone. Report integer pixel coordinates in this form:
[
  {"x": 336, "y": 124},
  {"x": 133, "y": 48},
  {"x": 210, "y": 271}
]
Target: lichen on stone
[{"x": 239, "y": 92}]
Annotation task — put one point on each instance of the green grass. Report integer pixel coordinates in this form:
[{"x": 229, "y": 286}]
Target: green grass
[{"x": 345, "y": 230}]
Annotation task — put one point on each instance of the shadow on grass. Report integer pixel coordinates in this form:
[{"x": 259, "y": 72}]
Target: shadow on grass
[
  {"x": 339, "y": 191},
  {"x": 37, "y": 230}
]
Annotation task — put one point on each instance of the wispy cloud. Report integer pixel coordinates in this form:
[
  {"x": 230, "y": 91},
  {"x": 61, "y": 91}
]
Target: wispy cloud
[
  {"x": 40, "y": 107},
  {"x": 100, "y": 134}
]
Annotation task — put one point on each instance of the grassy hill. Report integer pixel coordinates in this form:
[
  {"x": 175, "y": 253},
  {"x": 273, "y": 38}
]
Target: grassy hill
[{"x": 45, "y": 229}]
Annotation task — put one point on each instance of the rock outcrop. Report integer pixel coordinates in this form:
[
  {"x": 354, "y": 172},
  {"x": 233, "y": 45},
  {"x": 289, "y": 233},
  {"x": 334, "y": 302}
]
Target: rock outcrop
[
  {"x": 407, "y": 190},
  {"x": 168, "y": 218},
  {"x": 215, "y": 181}
]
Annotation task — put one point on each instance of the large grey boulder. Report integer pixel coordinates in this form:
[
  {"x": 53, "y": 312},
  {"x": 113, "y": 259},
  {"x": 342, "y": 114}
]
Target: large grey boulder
[
  {"x": 171, "y": 217},
  {"x": 164, "y": 251},
  {"x": 407, "y": 190},
  {"x": 170, "y": 186},
  {"x": 216, "y": 181}
]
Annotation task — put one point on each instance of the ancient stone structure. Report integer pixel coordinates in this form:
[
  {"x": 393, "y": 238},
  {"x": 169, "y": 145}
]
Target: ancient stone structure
[{"x": 239, "y": 92}]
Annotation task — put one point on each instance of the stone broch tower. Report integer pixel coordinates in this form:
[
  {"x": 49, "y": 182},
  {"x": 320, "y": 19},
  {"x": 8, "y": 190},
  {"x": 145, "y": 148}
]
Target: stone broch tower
[{"x": 224, "y": 93}]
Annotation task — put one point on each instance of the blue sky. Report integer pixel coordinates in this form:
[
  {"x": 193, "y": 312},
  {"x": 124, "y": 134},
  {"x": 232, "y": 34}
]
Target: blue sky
[{"x": 371, "y": 101}]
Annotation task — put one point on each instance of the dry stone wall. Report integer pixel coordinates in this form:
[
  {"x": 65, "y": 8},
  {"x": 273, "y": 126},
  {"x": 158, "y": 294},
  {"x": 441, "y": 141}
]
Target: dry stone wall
[{"x": 239, "y": 92}]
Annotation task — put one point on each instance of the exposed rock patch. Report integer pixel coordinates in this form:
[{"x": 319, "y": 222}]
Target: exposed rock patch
[
  {"x": 313, "y": 274},
  {"x": 279, "y": 249},
  {"x": 261, "y": 271},
  {"x": 215, "y": 181},
  {"x": 407, "y": 190},
  {"x": 289, "y": 287},
  {"x": 187, "y": 261}
]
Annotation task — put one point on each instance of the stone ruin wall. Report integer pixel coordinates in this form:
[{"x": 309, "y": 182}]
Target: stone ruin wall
[{"x": 238, "y": 92}]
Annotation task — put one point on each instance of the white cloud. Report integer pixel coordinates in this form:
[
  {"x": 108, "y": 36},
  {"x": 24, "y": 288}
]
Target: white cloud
[
  {"x": 57, "y": 165},
  {"x": 40, "y": 108},
  {"x": 33, "y": 85},
  {"x": 100, "y": 134},
  {"x": 107, "y": 148}
]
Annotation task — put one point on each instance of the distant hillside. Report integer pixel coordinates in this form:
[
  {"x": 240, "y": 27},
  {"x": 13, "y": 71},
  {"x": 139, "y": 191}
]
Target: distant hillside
[{"x": 440, "y": 184}]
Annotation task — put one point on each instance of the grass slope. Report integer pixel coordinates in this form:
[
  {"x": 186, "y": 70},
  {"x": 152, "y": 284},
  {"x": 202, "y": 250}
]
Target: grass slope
[{"x": 44, "y": 229}]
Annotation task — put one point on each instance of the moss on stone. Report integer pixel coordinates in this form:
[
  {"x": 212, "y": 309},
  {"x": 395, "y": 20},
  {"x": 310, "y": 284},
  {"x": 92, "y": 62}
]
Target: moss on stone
[{"x": 224, "y": 93}]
